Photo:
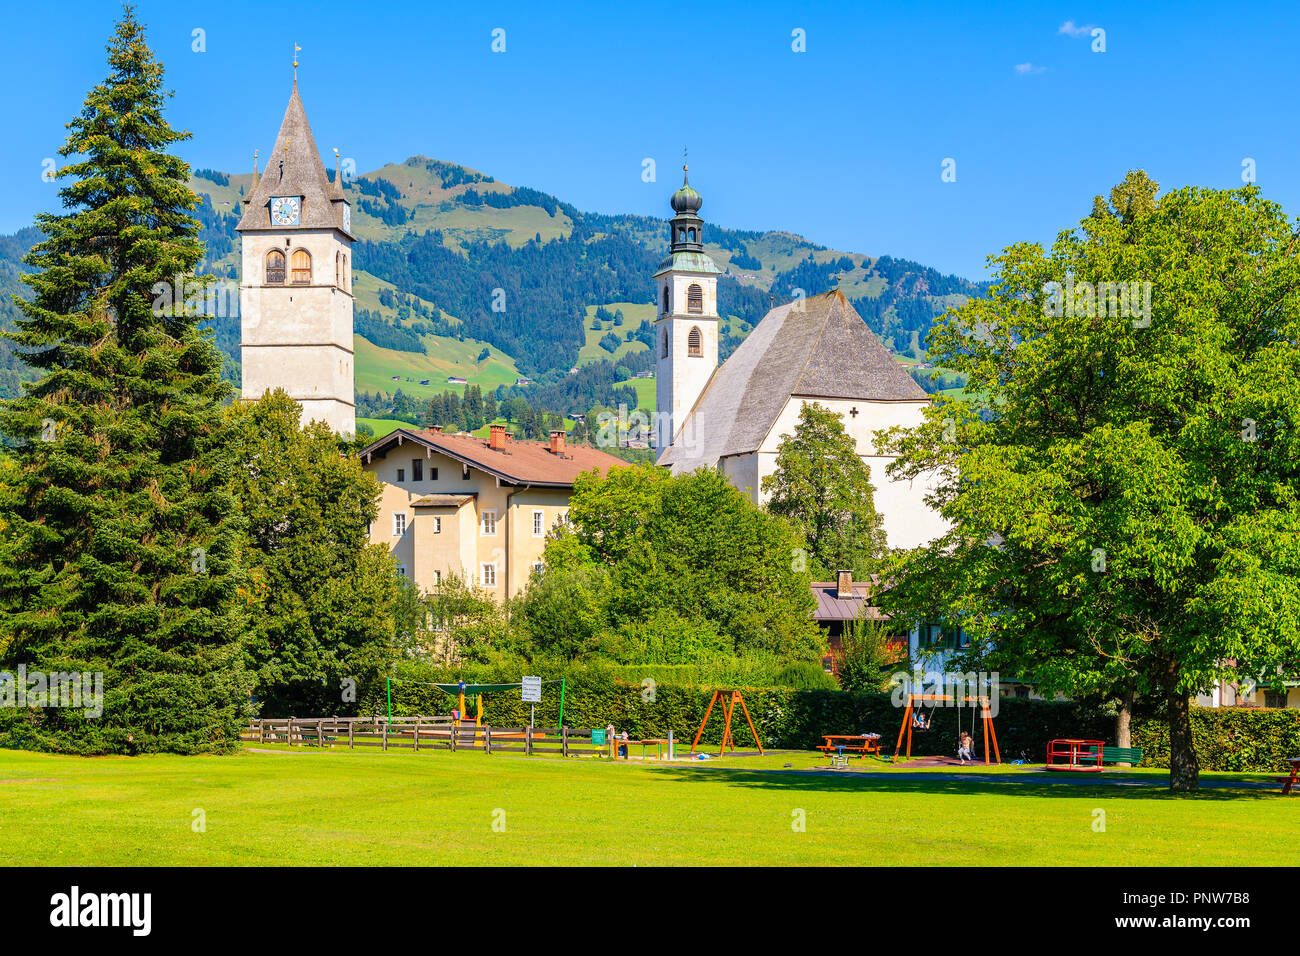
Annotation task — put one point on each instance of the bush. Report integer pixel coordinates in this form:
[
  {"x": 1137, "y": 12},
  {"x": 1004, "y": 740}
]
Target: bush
[{"x": 804, "y": 676}]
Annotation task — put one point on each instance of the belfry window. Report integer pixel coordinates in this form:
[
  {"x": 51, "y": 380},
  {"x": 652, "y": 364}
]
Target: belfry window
[
  {"x": 274, "y": 266},
  {"x": 665, "y": 309},
  {"x": 694, "y": 299},
  {"x": 695, "y": 343},
  {"x": 663, "y": 344},
  {"x": 301, "y": 267}
]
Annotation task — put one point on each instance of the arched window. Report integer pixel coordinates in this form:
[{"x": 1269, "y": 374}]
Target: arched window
[
  {"x": 338, "y": 269},
  {"x": 695, "y": 343},
  {"x": 663, "y": 344},
  {"x": 694, "y": 299},
  {"x": 690, "y": 233},
  {"x": 665, "y": 309},
  {"x": 274, "y": 266},
  {"x": 301, "y": 267},
  {"x": 681, "y": 234}
]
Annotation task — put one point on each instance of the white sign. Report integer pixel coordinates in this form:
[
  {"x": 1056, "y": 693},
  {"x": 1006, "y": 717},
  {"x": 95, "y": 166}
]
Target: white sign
[{"x": 532, "y": 690}]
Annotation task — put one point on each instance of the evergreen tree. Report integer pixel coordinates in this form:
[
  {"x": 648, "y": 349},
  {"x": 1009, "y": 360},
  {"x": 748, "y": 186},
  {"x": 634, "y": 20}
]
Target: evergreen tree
[
  {"x": 119, "y": 552},
  {"x": 824, "y": 489}
]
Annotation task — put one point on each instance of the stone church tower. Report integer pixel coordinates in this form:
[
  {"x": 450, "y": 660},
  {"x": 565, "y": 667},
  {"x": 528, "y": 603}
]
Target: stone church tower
[
  {"x": 686, "y": 331},
  {"x": 295, "y": 295}
]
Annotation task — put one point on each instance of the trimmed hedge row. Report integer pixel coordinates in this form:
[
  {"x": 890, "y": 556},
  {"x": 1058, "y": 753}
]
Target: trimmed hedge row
[{"x": 1231, "y": 740}]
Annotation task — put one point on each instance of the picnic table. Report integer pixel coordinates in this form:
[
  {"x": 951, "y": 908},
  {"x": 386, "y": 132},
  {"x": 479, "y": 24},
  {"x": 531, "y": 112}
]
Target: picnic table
[
  {"x": 861, "y": 744},
  {"x": 1288, "y": 783}
]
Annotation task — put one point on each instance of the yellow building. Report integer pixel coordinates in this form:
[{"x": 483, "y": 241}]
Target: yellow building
[{"x": 476, "y": 508}]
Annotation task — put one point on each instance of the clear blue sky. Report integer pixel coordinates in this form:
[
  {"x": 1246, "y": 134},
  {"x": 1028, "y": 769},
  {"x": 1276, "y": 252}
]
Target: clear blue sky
[{"x": 842, "y": 143}]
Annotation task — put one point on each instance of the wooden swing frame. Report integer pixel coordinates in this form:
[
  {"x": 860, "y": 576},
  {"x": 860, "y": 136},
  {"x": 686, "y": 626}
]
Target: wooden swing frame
[
  {"x": 728, "y": 710},
  {"x": 986, "y": 718}
]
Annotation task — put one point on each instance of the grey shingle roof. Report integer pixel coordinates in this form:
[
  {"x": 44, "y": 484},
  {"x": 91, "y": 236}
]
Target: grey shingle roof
[
  {"x": 294, "y": 169},
  {"x": 820, "y": 350}
]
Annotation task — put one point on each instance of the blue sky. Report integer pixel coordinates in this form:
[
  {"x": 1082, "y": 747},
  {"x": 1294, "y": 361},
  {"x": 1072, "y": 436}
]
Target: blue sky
[{"x": 843, "y": 143}]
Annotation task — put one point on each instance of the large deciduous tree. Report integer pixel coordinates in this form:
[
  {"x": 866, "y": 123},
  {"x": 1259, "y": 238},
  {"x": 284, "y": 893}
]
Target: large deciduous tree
[
  {"x": 681, "y": 568},
  {"x": 1124, "y": 491},
  {"x": 823, "y": 487},
  {"x": 119, "y": 549},
  {"x": 326, "y": 599}
]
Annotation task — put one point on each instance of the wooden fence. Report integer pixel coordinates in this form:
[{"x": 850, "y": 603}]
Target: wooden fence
[{"x": 428, "y": 733}]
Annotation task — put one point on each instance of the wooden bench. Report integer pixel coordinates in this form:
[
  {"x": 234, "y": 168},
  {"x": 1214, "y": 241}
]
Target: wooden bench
[
  {"x": 853, "y": 743},
  {"x": 1132, "y": 755}
]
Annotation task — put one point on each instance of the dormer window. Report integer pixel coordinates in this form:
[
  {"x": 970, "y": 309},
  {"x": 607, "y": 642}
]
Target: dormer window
[
  {"x": 274, "y": 267},
  {"x": 301, "y": 267}
]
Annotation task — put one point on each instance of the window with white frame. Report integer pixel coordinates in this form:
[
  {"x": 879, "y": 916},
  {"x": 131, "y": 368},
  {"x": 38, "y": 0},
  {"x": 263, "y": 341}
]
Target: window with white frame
[
  {"x": 437, "y": 577},
  {"x": 538, "y": 566},
  {"x": 489, "y": 574},
  {"x": 401, "y": 570},
  {"x": 489, "y": 523},
  {"x": 539, "y": 524},
  {"x": 399, "y": 523},
  {"x": 437, "y": 524}
]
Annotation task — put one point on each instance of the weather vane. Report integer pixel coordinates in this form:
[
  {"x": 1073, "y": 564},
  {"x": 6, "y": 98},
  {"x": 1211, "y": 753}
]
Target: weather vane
[{"x": 296, "y": 48}]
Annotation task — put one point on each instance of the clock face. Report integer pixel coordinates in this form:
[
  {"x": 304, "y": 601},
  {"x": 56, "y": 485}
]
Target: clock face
[
  {"x": 347, "y": 218},
  {"x": 285, "y": 210}
]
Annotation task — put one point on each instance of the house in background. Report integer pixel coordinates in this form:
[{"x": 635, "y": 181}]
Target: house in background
[
  {"x": 841, "y": 602},
  {"x": 478, "y": 509}
]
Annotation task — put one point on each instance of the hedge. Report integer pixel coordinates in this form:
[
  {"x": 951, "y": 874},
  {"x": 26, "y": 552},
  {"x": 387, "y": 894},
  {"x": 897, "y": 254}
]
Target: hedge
[{"x": 1226, "y": 739}]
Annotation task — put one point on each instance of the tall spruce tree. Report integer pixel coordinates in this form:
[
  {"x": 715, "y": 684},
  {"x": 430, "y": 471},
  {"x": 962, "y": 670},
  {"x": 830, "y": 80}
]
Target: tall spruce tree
[{"x": 120, "y": 545}]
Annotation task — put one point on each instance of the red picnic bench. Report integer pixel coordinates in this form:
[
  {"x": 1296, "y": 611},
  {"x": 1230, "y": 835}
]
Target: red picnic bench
[{"x": 1288, "y": 783}]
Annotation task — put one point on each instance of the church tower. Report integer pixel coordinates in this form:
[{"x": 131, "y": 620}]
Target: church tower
[
  {"x": 295, "y": 295},
  {"x": 686, "y": 331}
]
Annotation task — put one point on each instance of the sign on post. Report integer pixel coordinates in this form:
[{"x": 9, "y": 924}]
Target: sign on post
[{"x": 531, "y": 690}]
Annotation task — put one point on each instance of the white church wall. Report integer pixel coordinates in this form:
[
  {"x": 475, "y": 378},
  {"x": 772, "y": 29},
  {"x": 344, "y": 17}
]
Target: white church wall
[{"x": 908, "y": 520}]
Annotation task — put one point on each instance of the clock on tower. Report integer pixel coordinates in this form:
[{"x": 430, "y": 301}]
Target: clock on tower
[{"x": 286, "y": 210}]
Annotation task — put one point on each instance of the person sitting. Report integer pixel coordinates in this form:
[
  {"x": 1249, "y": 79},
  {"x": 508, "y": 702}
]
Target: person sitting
[
  {"x": 966, "y": 748},
  {"x": 920, "y": 720},
  {"x": 622, "y": 747}
]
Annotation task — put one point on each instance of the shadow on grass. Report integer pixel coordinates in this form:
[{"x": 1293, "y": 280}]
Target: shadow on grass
[{"x": 1128, "y": 787}]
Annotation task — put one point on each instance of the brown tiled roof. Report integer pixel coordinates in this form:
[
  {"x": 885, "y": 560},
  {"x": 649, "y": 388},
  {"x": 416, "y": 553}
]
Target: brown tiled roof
[
  {"x": 520, "y": 463},
  {"x": 442, "y": 501},
  {"x": 833, "y": 608}
]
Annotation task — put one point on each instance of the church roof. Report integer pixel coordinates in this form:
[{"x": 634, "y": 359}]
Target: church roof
[
  {"x": 294, "y": 169},
  {"x": 688, "y": 262},
  {"x": 815, "y": 348}
]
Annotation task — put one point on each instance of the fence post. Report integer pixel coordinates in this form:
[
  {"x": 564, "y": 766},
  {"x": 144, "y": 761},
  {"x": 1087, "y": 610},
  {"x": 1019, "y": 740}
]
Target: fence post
[
  {"x": 261, "y": 730},
  {"x": 320, "y": 732},
  {"x": 415, "y": 742},
  {"x": 384, "y": 729},
  {"x": 670, "y": 745},
  {"x": 351, "y": 724},
  {"x": 288, "y": 734},
  {"x": 564, "y": 741},
  {"x": 455, "y": 732},
  {"x": 487, "y": 738},
  {"x": 528, "y": 740}
]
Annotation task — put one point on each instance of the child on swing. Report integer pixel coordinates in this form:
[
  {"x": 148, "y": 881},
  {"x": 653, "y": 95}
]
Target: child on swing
[{"x": 966, "y": 748}]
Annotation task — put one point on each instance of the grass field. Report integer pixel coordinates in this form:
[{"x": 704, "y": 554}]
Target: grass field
[{"x": 353, "y": 807}]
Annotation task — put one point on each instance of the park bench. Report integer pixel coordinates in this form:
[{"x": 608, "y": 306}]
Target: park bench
[{"x": 1131, "y": 755}]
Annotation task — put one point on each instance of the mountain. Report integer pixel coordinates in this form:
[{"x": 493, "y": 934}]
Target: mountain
[{"x": 458, "y": 275}]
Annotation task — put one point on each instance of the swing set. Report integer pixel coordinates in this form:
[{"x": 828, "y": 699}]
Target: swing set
[{"x": 916, "y": 717}]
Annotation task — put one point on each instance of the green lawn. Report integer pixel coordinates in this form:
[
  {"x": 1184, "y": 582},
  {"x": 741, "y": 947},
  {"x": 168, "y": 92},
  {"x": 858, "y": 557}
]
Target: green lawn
[{"x": 364, "y": 807}]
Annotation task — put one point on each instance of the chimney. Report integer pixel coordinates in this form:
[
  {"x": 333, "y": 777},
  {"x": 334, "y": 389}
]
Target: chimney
[
  {"x": 844, "y": 584},
  {"x": 497, "y": 437},
  {"x": 557, "y": 443},
  {"x": 436, "y": 429}
]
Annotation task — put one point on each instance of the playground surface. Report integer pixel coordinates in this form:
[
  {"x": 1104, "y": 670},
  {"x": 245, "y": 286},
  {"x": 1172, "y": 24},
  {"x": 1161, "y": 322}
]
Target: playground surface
[{"x": 298, "y": 806}]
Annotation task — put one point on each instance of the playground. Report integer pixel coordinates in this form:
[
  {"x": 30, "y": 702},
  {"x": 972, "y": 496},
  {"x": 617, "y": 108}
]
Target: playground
[{"x": 303, "y": 805}]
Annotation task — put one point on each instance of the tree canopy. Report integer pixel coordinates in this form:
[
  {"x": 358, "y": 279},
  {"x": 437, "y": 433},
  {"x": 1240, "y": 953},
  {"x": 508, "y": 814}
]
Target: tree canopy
[{"x": 1124, "y": 485}]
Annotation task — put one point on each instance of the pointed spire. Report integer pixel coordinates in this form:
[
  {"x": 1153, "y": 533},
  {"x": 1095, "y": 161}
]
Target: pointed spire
[{"x": 294, "y": 168}]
